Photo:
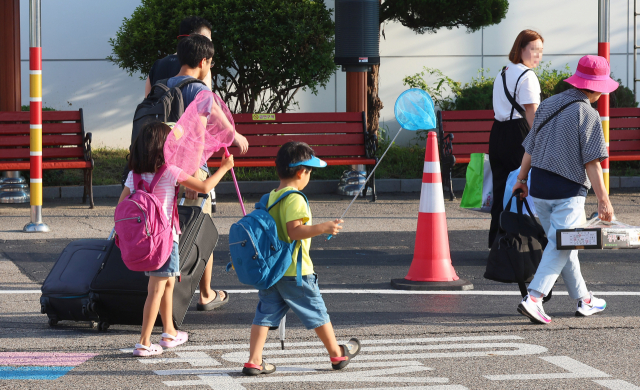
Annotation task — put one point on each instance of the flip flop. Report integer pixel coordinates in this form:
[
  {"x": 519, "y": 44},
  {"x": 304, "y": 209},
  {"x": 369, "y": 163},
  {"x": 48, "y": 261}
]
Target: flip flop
[
  {"x": 254, "y": 369},
  {"x": 180, "y": 338},
  {"x": 215, "y": 302},
  {"x": 351, "y": 350},
  {"x": 153, "y": 349}
]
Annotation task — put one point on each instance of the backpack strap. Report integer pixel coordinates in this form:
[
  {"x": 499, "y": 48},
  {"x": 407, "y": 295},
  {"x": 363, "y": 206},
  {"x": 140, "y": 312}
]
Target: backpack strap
[
  {"x": 512, "y": 99},
  {"x": 188, "y": 81},
  {"x": 157, "y": 177},
  {"x": 162, "y": 84},
  {"x": 299, "y": 260}
]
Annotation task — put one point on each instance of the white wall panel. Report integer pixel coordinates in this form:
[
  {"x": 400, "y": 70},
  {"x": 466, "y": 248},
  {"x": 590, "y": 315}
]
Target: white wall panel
[
  {"x": 75, "y": 30},
  {"x": 108, "y": 101}
]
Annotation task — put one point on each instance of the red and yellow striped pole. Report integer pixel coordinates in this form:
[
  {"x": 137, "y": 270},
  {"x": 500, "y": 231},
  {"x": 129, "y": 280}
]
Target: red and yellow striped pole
[
  {"x": 603, "y": 102},
  {"x": 35, "y": 83}
]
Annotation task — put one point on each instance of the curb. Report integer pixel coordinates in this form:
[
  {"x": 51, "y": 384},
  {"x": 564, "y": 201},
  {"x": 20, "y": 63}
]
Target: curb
[{"x": 314, "y": 187}]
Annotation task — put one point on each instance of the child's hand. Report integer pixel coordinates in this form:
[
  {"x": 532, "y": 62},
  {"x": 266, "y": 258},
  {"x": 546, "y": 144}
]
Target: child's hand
[
  {"x": 227, "y": 162},
  {"x": 332, "y": 227}
]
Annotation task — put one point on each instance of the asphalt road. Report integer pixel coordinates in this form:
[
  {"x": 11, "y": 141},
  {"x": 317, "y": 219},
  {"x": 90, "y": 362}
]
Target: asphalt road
[{"x": 447, "y": 341}]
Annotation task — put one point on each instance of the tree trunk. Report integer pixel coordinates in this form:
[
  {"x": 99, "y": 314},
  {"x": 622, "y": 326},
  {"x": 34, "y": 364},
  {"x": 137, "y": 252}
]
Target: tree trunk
[{"x": 374, "y": 104}]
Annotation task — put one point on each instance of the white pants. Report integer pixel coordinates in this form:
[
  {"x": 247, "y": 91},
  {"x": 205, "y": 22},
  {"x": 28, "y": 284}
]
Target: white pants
[{"x": 559, "y": 214}]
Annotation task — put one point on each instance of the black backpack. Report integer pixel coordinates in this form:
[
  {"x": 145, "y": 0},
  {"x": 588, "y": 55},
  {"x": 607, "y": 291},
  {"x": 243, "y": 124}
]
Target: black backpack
[
  {"x": 517, "y": 250},
  {"x": 162, "y": 104}
]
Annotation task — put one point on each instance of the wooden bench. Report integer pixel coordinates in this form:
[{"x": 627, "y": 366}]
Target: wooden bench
[
  {"x": 65, "y": 145},
  {"x": 464, "y": 132},
  {"x": 339, "y": 138}
]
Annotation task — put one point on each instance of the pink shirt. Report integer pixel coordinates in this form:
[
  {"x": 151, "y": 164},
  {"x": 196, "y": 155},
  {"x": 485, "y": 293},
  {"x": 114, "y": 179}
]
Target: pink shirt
[{"x": 165, "y": 190}]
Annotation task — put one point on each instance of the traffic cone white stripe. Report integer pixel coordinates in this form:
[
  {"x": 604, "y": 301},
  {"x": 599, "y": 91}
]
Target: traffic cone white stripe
[
  {"x": 431, "y": 167},
  {"x": 431, "y": 198}
]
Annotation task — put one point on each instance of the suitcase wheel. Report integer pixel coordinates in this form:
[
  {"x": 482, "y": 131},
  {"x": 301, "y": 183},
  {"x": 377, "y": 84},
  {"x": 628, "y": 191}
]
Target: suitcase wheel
[
  {"x": 103, "y": 326},
  {"x": 53, "y": 322},
  {"x": 43, "y": 309},
  {"x": 92, "y": 307}
]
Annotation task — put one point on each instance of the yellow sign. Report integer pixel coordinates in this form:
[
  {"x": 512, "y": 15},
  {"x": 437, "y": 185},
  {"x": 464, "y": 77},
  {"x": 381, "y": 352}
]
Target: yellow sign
[{"x": 264, "y": 117}]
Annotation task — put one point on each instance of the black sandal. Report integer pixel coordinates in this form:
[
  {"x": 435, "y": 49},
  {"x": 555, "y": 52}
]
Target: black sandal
[
  {"x": 254, "y": 369},
  {"x": 351, "y": 350}
]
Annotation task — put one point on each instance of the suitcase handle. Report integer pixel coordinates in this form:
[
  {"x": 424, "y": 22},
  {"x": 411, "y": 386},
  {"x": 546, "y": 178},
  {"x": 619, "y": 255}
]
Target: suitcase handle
[{"x": 204, "y": 196}]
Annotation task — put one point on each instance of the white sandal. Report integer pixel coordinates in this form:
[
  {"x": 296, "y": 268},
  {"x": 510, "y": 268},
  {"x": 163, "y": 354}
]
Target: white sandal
[{"x": 143, "y": 350}]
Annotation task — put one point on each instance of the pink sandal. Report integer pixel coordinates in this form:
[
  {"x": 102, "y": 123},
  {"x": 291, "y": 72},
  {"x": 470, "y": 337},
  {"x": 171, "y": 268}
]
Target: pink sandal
[
  {"x": 153, "y": 349},
  {"x": 180, "y": 338}
]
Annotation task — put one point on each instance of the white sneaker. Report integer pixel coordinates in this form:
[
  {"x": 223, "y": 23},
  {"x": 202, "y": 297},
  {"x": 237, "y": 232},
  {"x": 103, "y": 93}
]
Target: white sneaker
[
  {"x": 596, "y": 305},
  {"x": 533, "y": 309}
]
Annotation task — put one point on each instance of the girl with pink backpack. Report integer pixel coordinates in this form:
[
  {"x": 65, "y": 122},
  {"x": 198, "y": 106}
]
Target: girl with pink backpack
[{"x": 150, "y": 187}]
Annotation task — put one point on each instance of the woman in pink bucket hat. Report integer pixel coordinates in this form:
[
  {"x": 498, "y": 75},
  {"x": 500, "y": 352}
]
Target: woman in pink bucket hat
[{"x": 563, "y": 150}]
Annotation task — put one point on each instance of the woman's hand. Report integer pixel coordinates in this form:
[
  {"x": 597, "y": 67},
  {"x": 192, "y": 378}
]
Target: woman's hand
[
  {"x": 227, "y": 162},
  {"x": 605, "y": 209},
  {"x": 523, "y": 187}
]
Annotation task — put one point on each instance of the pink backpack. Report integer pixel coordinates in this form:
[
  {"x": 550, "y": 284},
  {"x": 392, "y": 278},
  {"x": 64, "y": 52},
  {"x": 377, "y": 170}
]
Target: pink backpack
[{"x": 144, "y": 235}]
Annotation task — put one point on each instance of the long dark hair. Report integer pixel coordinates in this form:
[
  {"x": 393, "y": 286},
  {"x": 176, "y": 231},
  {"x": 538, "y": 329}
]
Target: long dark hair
[{"x": 147, "y": 151}]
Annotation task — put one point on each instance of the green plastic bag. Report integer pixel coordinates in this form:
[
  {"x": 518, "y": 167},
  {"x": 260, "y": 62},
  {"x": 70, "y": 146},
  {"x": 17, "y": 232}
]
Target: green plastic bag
[{"x": 478, "y": 190}]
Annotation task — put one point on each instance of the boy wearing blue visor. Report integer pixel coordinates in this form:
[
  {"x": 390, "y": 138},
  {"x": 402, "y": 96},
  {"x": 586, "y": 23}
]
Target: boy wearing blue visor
[{"x": 294, "y": 163}]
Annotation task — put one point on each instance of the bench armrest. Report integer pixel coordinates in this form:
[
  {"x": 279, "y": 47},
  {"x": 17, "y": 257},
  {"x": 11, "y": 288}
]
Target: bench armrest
[
  {"x": 86, "y": 146},
  {"x": 370, "y": 144}
]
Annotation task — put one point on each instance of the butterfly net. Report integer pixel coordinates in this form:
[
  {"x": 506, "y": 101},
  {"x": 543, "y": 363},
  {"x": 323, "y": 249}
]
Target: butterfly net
[
  {"x": 205, "y": 127},
  {"x": 414, "y": 110}
]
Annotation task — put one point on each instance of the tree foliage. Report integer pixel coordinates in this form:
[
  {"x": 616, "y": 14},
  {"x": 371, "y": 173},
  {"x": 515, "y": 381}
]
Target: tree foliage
[
  {"x": 430, "y": 15},
  {"x": 266, "y": 50}
]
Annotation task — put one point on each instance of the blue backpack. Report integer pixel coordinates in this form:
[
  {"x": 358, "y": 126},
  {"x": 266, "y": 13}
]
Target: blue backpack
[{"x": 259, "y": 257}]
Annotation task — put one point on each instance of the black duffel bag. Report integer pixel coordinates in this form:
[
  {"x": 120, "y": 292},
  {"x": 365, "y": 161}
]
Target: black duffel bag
[{"x": 517, "y": 250}]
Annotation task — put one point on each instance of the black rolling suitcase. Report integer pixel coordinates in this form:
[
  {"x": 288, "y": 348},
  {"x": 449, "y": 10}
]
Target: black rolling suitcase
[
  {"x": 65, "y": 292},
  {"x": 118, "y": 294}
]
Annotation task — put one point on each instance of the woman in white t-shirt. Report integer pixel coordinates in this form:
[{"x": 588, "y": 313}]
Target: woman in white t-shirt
[{"x": 515, "y": 107}]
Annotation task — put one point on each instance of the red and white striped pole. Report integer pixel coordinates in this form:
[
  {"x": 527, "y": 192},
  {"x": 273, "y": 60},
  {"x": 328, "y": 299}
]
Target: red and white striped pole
[
  {"x": 431, "y": 267},
  {"x": 35, "y": 81},
  {"x": 603, "y": 102}
]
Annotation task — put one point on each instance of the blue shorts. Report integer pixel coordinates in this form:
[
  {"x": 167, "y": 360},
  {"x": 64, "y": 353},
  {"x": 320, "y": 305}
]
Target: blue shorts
[
  {"x": 305, "y": 301},
  {"x": 171, "y": 267}
]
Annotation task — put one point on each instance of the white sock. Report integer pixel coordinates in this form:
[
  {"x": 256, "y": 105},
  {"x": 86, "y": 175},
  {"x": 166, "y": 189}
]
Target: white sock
[{"x": 536, "y": 294}]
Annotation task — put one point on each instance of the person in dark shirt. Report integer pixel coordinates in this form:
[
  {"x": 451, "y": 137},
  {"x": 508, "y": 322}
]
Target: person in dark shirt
[
  {"x": 169, "y": 66},
  {"x": 194, "y": 58}
]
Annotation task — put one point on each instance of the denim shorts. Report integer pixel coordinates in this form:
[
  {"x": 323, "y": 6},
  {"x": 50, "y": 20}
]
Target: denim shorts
[
  {"x": 305, "y": 301},
  {"x": 171, "y": 267}
]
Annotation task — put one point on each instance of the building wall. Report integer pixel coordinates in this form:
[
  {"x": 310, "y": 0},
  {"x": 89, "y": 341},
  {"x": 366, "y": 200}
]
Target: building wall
[{"x": 75, "y": 36}]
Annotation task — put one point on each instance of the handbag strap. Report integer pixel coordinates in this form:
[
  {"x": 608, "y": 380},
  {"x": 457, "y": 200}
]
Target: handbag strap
[
  {"x": 512, "y": 99},
  {"x": 557, "y": 112}
]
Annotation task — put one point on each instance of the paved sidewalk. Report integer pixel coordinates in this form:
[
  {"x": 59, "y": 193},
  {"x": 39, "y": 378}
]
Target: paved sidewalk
[{"x": 69, "y": 218}]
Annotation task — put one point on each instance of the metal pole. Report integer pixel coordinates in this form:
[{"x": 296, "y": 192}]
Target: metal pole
[
  {"x": 35, "y": 82},
  {"x": 603, "y": 102},
  {"x": 635, "y": 49}
]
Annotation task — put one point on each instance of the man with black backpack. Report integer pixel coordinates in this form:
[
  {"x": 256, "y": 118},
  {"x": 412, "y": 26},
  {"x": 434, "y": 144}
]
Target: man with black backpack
[{"x": 166, "y": 101}]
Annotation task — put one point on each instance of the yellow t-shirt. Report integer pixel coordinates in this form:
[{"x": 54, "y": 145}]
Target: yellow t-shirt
[{"x": 292, "y": 208}]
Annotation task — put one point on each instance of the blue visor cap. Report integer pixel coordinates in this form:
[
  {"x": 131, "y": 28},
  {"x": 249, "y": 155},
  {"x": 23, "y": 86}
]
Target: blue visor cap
[{"x": 313, "y": 162}]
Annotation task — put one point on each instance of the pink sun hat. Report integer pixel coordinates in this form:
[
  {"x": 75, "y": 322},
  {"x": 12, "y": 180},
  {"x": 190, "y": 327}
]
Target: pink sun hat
[{"x": 593, "y": 74}]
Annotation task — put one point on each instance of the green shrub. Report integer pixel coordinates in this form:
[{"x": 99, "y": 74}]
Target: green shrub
[{"x": 450, "y": 95}]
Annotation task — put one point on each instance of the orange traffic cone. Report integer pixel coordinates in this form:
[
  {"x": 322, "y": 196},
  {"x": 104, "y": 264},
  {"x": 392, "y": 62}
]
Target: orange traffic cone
[{"x": 431, "y": 267}]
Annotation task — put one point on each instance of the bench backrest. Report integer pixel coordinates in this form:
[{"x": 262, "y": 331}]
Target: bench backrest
[
  {"x": 331, "y": 135},
  {"x": 624, "y": 134},
  {"x": 471, "y": 131},
  {"x": 62, "y": 135}
]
